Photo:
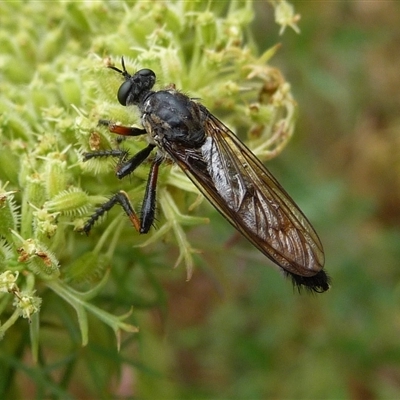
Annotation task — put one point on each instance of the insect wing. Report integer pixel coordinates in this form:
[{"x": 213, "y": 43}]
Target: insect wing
[{"x": 232, "y": 178}]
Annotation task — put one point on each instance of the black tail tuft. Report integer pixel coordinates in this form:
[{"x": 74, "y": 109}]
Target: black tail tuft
[{"x": 318, "y": 283}]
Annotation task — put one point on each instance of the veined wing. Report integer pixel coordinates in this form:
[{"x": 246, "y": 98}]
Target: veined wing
[{"x": 239, "y": 186}]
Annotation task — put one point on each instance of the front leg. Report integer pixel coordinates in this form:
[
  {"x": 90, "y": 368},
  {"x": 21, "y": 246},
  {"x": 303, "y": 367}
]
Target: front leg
[
  {"x": 144, "y": 223},
  {"x": 121, "y": 129},
  {"x": 121, "y": 154}
]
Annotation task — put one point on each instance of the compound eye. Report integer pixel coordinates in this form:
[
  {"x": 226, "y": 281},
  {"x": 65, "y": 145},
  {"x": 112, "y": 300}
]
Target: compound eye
[
  {"x": 146, "y": 73},
  {"x": 123, "y": 92}
]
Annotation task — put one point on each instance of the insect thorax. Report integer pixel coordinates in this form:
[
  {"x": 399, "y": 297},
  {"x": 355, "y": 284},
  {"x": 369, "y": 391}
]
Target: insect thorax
[{"x": 169, "y": 115}]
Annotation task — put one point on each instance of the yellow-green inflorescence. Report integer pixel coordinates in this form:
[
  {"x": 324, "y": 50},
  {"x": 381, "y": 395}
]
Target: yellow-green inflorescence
[{"x": 55, "y": 87}]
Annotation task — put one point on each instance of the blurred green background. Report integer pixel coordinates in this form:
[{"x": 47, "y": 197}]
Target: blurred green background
[{"x": 237, "y": 330}]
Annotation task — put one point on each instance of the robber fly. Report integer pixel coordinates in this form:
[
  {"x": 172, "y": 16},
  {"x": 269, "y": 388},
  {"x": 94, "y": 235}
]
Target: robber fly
[{"x": 225, "y": 171}]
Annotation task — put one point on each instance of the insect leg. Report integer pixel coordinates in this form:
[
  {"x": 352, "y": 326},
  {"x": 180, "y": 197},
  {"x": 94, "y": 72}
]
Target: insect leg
[
  {"x": 120, "y": 198},
  {"x": 122, "y": 130},
  {"x": 105, "y": 153},
  {"x": 129, "y": 166},
  {"x": 149, "y": 200}
]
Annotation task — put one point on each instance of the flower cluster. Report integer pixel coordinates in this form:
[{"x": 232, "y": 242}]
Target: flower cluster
[{"x": 55, "y": 88}]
